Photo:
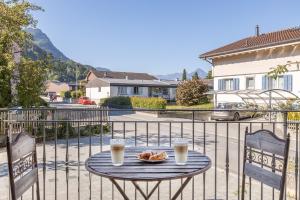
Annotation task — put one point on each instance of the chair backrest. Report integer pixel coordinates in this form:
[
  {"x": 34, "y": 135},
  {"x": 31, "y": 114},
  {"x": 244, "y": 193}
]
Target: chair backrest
[
  {"x": 22, "y": 164},
  {"x": 265, "y": 159}
]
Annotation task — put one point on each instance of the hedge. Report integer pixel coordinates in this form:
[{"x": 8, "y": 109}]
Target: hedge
[
  {"x": 294, "y": 116},
  {"x": 134, "y": 102},
  {"x": 76, "y": 94}
]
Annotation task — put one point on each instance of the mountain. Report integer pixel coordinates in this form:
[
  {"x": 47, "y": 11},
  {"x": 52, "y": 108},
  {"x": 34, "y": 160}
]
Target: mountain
[
  {"x": 41, "y": 40},
  {"x": 63, "y": 68},
  {"x": 174, "y": 76},
  {"x": 101, "y": 69}
]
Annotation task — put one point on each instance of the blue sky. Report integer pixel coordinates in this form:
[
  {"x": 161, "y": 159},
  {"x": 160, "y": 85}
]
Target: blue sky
[{"x": 157, "y": 36}]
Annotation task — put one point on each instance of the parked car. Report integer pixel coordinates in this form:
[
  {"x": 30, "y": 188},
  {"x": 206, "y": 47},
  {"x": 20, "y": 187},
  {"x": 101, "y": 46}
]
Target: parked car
[
  {"x": 233, "y": 111},
  {"x": 86, "y": 101}
]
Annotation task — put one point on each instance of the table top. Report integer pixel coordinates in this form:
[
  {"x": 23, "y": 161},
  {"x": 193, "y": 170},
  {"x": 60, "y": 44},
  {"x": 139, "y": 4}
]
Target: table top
[{"x": 136, "y": 170}]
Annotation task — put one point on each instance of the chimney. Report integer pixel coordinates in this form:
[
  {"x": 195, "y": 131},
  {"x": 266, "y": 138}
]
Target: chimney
[{"x": 257, "y": 30}]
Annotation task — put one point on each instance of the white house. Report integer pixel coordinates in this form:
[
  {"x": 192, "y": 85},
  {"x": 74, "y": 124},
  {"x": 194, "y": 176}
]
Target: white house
[
  {"x": 241, "y": 67},
  {"x": 99, "y": 88}
]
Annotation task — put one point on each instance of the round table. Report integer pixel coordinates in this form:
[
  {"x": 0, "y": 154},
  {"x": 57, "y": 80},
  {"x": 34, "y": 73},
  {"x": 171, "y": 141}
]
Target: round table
[{"x": 135, "y": 170}]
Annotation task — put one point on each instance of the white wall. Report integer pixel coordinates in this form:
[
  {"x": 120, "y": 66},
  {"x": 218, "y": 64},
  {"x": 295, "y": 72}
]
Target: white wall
[
  {"x": 95, "y": 95},
  {"x": 172, "y": 92},
  {"x": 256, "y": 64}
]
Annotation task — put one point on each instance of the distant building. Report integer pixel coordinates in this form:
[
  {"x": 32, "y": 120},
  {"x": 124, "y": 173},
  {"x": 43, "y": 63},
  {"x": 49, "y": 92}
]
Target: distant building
[
  {"x": 55, "y": 87},
  {"x": 99, "y": 88},
  {"x": 118, "y": 75},
  {"x": 240, "y": 68}
]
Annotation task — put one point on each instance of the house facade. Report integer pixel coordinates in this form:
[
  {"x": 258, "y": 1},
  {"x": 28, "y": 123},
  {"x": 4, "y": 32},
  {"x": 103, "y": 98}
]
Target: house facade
[
  {"x": 100, "y": 88},
  {"x": 92, "y": 74},
  {"x": 243, "y": 65},
  {"x": 101, "y": 85},
  {"x": 55, "y": 87}
]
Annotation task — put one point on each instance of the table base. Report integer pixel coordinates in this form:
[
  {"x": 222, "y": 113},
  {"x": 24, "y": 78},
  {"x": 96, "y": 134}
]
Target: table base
[{"x": 146, "y": 197}]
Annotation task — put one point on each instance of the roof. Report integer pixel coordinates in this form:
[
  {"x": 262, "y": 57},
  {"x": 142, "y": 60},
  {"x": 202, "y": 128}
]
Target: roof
[
  {"x": 98, "y": 82},
  {"x": 122, "y": 75},
  {"x": 255, "y": 42}
]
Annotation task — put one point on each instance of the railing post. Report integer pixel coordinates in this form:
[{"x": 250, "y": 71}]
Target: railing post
[{"x": 285, "y": 124}]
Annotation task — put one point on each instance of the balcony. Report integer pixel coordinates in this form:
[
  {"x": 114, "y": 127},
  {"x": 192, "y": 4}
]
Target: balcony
[{"x": 67, "y": 137}]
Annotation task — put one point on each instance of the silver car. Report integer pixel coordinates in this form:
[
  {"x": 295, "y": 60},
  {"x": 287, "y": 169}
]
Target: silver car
[{"x": 233, "y": 111}]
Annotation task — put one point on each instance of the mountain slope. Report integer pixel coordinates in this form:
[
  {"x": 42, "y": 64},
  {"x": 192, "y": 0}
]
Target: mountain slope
[
  {"x": 41, "y": 40},
  {"x": 63, "y": 68},
  {"x": 174, "y": 76}
]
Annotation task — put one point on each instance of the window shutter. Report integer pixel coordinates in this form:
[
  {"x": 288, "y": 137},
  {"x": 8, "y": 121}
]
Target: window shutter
[
  {"x": 285, "y": 82},
  {"x": 288, "y": 82},
  {"x": 236, "y": 84},
  {"x": 219, "y": 84},
  {"x": 265, "y": 83}
]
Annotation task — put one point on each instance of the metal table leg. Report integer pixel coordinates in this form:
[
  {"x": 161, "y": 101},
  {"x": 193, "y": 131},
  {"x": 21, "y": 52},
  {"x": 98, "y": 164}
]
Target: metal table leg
[
  {"x": 187, "y": 180},
  {"x": 147, "y": 197},
  {"x": 119, "y": 188}
]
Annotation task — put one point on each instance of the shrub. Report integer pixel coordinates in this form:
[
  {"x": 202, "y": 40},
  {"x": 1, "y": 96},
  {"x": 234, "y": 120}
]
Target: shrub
[
  {"x": 191, "y": 92},
  {"x": 94, "y": 129},
  {"x": 148, "y": 102},
  {"x": 134, "y": 102},
  {"x": 65, "y": 94},
  {"x": 116, "y": 102},
  {"x": 77, "y": 94}
]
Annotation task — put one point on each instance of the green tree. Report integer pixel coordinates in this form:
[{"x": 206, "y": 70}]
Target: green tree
[
  {"x": 191, "y": 92},
  {"x": 195, "y": 76},
  {"x": 33, "y": 75},
  {"x": 184, "y": 75},
  {"x": 281, "y": 69},
  {"x": 15, "y": 16},
  {"x": 209, "y": 75}
]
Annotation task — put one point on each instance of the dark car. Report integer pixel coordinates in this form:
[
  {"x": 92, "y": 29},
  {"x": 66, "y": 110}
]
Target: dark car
[{"x": 233, "y": 111}]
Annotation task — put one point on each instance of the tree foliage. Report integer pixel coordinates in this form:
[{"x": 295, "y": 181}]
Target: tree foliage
[
  {"x": 33, "y": 75},
  {"x": 275, "y": 72},
  {"x": 209, "y": 75},
  {"x": 14, "y": 17},
  {"x": 191, "y": 92},
  {"x": 184, "y": 75},
  {"x": 195, "y": 76}
]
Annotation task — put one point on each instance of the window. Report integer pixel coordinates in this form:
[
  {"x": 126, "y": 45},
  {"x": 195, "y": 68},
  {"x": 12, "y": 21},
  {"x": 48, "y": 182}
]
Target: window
[
  {"x": 165, "y": 91},
  {"x": 122, "y": 90},
  {"x": 282, "y": 82},
  {"x": 250, "y": 83},
  {"x": 99, "y": 89},
  {"x": 228, "y": 84},
  {"x": 136, "y": 90}
]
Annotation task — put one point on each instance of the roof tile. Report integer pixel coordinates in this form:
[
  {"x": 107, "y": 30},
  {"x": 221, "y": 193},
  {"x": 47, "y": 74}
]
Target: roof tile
[{"x": 255, "y": 42}]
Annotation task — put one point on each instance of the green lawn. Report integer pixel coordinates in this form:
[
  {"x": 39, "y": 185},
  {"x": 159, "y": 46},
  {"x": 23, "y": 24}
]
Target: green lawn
[{"x": 201, "y": 106}]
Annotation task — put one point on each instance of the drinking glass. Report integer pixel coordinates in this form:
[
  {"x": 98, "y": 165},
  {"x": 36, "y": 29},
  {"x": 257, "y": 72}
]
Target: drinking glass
[
  {"x": 181, "y": 150},
  {"x": 117, "y": 148}
]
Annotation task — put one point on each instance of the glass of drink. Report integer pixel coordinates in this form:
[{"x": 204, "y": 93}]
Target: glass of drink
[
  {"x": 117, "y": 148},
  {"x": 181, "y": 150}
]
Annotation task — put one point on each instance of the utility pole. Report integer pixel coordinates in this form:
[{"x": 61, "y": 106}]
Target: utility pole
[{"x": 76, "y": 84}]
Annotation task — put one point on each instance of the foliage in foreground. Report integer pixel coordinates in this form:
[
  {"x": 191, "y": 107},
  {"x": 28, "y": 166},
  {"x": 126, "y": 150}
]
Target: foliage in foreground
[
  {"x": 15, "y": 16},
  {"x": 191, "y": 92},
  {"x": 134, "y": 102}
]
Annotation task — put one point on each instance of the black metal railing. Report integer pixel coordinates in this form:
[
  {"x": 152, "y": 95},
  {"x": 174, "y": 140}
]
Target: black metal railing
[{"x": 67, "y": 137}]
